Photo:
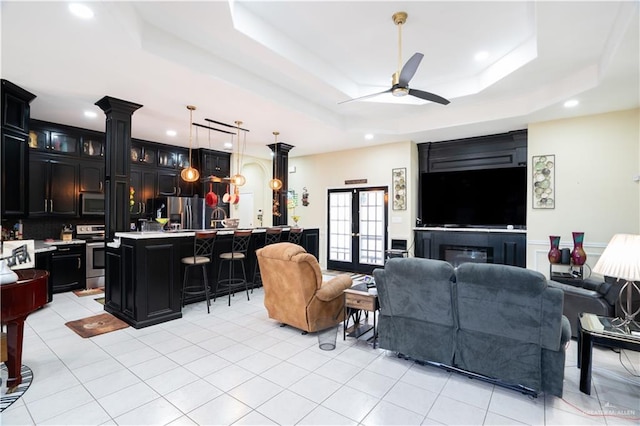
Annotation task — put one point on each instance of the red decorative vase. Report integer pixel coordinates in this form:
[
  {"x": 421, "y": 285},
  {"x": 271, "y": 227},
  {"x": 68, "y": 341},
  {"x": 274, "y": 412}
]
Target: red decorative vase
[
  {"x": 578, "y": 256},
  {"x": 554, "y": 254}
]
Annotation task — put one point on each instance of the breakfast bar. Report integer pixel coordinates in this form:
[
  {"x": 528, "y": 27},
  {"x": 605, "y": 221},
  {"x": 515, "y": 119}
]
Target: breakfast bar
[{"x": 143, "y": 278}]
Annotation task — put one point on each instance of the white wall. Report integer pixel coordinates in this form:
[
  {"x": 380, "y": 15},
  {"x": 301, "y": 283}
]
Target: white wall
[
  {"x": 319, "y": 173},
  {"x": 596, "y": 159}
]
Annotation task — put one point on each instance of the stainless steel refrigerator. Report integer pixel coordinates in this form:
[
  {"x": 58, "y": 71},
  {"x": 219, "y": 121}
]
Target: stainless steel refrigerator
[{"x": 189, "y": 212}]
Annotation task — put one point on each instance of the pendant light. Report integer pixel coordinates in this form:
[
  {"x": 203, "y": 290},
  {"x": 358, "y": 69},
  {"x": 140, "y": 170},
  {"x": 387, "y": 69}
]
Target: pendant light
[
  {"x": 275, "y": 184},
  {"x": 190, "y": 174},
  {"x": 238, "y": 179}
]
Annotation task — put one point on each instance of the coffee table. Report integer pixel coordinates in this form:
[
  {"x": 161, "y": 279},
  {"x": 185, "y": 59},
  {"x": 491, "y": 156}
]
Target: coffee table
[
  {"x": 602, "y": 331},
  {"x": 357, "y": 299}
]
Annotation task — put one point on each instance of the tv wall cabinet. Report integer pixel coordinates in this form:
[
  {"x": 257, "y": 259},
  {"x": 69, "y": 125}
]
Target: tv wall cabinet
[{"x": 480, "y": 245}]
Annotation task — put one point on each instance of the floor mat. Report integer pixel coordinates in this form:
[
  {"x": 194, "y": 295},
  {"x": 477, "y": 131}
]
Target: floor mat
[
  {"x": 89, "y": 292},
  {"x": 9, "y": 398},
  {"x": 95, "y": 325}
]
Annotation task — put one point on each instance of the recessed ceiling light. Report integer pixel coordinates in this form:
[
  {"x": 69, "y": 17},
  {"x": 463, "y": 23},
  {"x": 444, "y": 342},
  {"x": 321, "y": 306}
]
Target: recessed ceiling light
[
  {"x": 368, "y": 136},
  {"x": 571, "y": 103},
  {"x": 171, "y": 133},
  {"x": 90, "y": 114},
  {"x": 228, "y": 145},
  {"x": 81, "y": 10},
  {"x": 481, "y": 56}
]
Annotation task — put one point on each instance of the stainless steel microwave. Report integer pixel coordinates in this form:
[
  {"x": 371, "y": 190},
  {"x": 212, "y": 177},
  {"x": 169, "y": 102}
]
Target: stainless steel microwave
[{"x": 92, "y": 204}]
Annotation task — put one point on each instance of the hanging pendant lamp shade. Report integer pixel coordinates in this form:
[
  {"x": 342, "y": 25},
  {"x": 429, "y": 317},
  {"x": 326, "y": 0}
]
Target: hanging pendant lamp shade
[
  {"x": 238, "y": 179},
  {"x": 190, "y": 174},
  {"x": 275, "y": 184}
]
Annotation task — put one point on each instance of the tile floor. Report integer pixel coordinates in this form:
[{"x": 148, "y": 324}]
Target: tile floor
[{"x": 236, "y": 366}]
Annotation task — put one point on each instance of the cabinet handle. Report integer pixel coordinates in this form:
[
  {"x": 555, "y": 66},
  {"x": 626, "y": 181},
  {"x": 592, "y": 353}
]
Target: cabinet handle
[
  {"x": 50, "y": 206},
  {"x": 79, "y": 263},
  {"x": 179, "y": 190},
  {"x": 45, "y": 205},
  {"x": 100, "y": 186},
  {"x": 175, "y": 191}
]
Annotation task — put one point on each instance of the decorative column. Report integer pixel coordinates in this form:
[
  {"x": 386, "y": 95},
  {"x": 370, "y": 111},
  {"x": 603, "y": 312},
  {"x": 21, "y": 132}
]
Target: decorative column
[
  {"x": 117, "y": 163},
  {"x": 281, "y": 171}
]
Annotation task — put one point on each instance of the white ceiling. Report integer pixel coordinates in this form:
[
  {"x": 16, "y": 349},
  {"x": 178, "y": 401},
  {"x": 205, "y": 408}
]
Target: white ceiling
[{"x": 286, "y": 65}]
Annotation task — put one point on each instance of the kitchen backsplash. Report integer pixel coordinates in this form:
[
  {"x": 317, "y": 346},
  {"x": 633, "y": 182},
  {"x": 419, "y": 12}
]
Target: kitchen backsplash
[{"x": 43, "y": 228}]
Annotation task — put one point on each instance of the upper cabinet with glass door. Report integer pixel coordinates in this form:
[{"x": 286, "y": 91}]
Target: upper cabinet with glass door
[
  {"x": 53, "y": 141},
  {"x": 92, "y": 146},
  {"x": 145, "y": 154}
]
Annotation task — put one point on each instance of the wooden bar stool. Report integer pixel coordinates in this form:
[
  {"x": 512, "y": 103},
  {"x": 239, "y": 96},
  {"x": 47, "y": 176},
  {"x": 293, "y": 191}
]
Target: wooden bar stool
[
  {"x": 238, "y": 254},
  {"x": 272, "y": 236},
  {"x": 295, "y": 235},
  {"x": 202, "y": 251}
]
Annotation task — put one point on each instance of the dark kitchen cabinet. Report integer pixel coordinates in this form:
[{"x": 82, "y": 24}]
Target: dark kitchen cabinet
[
  {"x": 144, "y": 279},
  {"x": 68, "y": 269},
  {"x": 43, "y": 262},
  {"x": 91, "y": 176},
  {"x": 168, "y": 183},
  {"x": 53, "y": 186},
  {"x": 215, "y": 163},
  {"x": 53, "y": 141},
  {"x": 93, "y": 146},
  {"x": 14, "y": 171},
  {"x": 144, "y": 154},
  {"x": 14, "y": 155},
  {"x": 143, "y": 182}
]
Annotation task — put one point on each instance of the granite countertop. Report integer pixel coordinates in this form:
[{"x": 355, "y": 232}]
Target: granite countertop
[
  {"x": 41, "y": 246},
  {"x": 182, "y": 233}
]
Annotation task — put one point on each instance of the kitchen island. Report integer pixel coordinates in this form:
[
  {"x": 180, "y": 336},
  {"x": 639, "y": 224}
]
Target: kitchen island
[{"x": 144, "y": 274}]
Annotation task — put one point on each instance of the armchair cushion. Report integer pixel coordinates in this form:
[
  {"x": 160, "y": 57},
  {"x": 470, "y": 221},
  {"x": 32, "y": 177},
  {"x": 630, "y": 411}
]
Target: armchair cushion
[{"x": 333, "y": 288}]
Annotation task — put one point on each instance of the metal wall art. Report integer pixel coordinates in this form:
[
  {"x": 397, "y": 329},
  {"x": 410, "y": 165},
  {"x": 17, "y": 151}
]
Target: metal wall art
[
  {"x": 544, "y": 195},
  {"x": 399, "y": 190}
]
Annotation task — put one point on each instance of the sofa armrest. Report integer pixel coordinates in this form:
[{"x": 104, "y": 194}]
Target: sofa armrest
[{"x": 334, "y": 287}]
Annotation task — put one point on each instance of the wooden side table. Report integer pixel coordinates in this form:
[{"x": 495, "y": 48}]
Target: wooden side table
[{"x": 358, "y": 300}]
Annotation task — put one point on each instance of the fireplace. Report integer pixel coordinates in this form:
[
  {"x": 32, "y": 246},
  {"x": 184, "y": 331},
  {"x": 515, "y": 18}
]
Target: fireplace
[
  {"x": 457, "y": 255},
  {"x": 460, "y": 245}
]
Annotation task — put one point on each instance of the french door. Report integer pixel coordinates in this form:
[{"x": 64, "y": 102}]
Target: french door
[{"x": 357, "y": 229}]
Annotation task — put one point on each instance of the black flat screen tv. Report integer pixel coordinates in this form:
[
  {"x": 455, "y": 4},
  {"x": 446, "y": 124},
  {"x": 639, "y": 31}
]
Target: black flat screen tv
[{"x": 494, "y": 198}]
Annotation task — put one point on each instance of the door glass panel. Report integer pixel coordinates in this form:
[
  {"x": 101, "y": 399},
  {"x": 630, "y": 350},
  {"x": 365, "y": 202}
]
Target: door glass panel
[
  {"x": 371, "y": 227},
  {"x": 340, "y": 226}
]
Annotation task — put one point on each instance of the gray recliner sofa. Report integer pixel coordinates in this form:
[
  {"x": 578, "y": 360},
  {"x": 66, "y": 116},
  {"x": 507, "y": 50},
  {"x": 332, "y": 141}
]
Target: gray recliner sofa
[{"x": 496, "y": 322}]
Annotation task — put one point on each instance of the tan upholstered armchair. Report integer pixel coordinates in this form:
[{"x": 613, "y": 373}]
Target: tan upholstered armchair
[{"x": 294, "y": 292}]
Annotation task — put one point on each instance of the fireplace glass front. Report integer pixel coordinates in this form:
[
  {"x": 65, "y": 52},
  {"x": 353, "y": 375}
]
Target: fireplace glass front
[{"x": 457, "y": 255}]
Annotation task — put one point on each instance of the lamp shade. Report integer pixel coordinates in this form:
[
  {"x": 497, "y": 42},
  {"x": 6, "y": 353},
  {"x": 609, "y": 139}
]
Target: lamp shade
[{"x": 621, "y": 258}]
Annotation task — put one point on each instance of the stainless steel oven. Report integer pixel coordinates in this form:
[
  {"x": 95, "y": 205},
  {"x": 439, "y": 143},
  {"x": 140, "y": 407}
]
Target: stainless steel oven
[
  {"x": 92, "y": 204},
  {"x": 95, "y": 246}
]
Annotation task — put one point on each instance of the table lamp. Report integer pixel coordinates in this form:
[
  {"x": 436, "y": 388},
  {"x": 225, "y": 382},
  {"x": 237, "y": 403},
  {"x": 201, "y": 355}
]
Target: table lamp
[{"x": 621, "y": 260}]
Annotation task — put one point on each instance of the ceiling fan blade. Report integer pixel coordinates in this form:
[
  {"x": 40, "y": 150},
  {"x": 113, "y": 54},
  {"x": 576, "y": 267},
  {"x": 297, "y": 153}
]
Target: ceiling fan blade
[
  {"x": 364, "y": 97},
  {"x": 428, "y": 96},
  {"x": 409, "y": 69}
]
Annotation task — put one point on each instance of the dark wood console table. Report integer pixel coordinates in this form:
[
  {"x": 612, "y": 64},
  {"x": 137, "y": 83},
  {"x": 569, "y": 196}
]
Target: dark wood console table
[{"x": 18, "y": 300}]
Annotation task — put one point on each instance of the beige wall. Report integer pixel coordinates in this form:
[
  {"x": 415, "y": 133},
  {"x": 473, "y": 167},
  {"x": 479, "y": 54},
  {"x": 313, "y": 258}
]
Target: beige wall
[
  {"x": 597, "y": 158},
  {"x": 319, "y": 173}
]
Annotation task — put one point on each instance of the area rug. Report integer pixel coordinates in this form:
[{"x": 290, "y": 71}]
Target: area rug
[
  {"x": 9, "y": 398},
  {"x": 100, "y": 300},
  {"x": 89, "y": 292},
  {"x": 95, "y": 325}
]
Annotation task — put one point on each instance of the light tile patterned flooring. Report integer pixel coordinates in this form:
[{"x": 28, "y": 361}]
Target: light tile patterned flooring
[{"x": 237, "y": 366}]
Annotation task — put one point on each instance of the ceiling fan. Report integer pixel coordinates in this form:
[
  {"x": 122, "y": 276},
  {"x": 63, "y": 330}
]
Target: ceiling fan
[{"x": 400, "y": 79}]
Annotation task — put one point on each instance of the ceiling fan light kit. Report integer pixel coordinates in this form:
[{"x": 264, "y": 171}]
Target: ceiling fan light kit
[{"x": 400, "y": 79}]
